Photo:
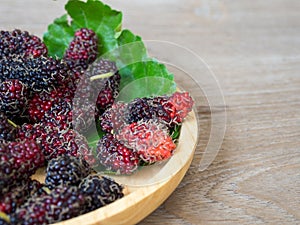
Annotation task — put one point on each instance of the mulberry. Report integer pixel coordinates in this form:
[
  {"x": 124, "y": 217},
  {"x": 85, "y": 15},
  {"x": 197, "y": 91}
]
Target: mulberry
[
  {"x": 60, "y": 204},
  {"x": 151, "y": 108},
  {"x": 100, "y": 191},
  {"x": 13, "y": 97},
  {"x": 39, "y": 74},
  {"x": 171, "y": 110},
  {"x": 19, "y": 160},
  {"x": 150, "y": 139},
  {"x": 21, "y": 43},
  {"x": 16, "y": 196},
  {"x": 83, "y": 49},
  {"x": 66, "y": 170},
  {"x": 115, "y": 156},
  {"x": 40, "y": 103}
]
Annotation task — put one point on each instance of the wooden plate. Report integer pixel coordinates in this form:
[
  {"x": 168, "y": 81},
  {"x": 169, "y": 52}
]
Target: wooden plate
[{"x": 140, "y": 200}]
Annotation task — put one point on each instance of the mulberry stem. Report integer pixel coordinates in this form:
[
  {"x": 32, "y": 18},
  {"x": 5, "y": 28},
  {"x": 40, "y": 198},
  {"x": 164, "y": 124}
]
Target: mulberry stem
[{"x": 102, "y": 76}]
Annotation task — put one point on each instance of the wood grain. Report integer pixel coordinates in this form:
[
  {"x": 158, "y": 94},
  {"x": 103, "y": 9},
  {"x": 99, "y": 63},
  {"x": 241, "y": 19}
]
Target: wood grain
[{"x": 253, "y": 48}]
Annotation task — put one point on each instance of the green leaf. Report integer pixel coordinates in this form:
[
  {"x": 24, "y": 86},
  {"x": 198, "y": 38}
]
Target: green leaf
[
  {"x": 126, "y": 37},
  {"x": 129, "y": 49},
  {"x": 146, "y": 78},
  {"x": 94, "y": 135},
  {"x": 175, "y": 133},
  {"x": 58, "y": 36},
  {"x": 99, "y": 17},
  {"x": 134, "y": 63}
]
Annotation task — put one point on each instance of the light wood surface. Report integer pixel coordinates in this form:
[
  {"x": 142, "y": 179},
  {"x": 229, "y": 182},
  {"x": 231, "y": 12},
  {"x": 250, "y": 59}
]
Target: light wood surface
[{"x": 253, "y": 47}]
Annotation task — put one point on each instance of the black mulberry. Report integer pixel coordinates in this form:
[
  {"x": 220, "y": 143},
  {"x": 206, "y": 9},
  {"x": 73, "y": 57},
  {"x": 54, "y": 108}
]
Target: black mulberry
[
  {"x": 39, "y": 74},
  {"x": 100, "y": 191},
  {"x": 66, "y": 170},
  {"x": 60, "y": 204},
  {"x": 21, "y": 43}
]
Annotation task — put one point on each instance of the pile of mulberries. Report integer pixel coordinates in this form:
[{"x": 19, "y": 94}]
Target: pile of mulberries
[
  {"x": 66, "y": 202},
  {"x": 48, "y": 108},
  {"x": 140, "y": 132}
]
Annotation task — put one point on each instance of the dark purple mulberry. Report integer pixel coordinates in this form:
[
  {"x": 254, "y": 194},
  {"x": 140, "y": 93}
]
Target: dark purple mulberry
[
  {"x": 39, "y": 74},
  {"x": 66, "y": 170},
  {"x": 171, "y": 110},
  {"x": 22, "y": 43},
  {"x": 17, "y": 195},
  {"x": 60, "y": 204},
  {"x": 100, "y": 191}
]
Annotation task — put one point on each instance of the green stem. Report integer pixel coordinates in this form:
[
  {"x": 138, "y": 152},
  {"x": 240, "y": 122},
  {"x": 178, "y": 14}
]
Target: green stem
[
  {"x": 5, "y": 217},
  {"x": 12, "y": 123},
  {"x": 102, "y": 76}
]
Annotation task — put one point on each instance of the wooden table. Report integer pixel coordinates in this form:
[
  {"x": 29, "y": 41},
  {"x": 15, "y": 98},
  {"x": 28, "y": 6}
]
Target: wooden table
[{"x": 253, "y": 47}]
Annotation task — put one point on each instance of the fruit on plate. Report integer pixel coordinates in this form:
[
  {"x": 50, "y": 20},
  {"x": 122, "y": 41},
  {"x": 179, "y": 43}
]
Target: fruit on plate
[{"x": 60, "y": 113}]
